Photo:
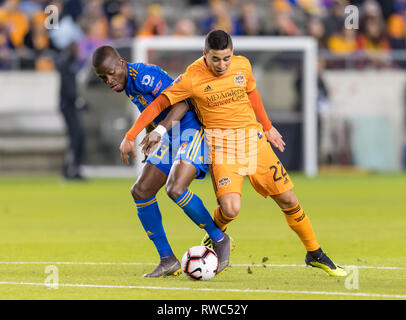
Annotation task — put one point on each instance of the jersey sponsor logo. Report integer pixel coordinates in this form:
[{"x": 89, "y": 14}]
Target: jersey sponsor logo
[
  {"x": 224, "y": 182},
  {"x": 157, "y": 87},
  {"x": 222, "y": 98},
  {"x": 239, "y": 79},
  {"x": 147, "y": 80}
]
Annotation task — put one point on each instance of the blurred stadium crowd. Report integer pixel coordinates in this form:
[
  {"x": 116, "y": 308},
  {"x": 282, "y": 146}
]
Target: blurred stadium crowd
[{"x": 25, "y": 42}]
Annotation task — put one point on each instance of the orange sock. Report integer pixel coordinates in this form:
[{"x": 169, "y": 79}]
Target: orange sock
[
  {"x": 220, "y": 219},
  {"x": 300, "y": 223}
]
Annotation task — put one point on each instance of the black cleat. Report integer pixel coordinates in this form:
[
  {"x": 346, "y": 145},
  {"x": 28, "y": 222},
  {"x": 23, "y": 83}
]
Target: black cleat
[{"x": 319, "y": 259}]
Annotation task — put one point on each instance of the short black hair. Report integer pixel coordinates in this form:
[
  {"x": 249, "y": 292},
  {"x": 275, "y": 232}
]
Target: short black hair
[
  {"x": 218, "y": 40},
  {"x": 101, "y": 54}
]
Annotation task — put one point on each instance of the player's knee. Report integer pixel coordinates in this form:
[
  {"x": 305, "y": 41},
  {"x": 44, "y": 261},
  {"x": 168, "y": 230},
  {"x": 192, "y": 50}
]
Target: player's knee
[
  {"x": 231, "y": 209},
  {"x": 286, "y": 200},
  {"x": 174, "y": 191},
  {"x": 140, "y": 192}
]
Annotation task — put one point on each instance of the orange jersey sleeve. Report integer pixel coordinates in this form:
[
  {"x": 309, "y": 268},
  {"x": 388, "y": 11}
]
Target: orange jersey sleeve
[
  {"x": 251, "y": 84},
  {"x": 147, "y": 116},
  {"x": 260, "y": 113}
]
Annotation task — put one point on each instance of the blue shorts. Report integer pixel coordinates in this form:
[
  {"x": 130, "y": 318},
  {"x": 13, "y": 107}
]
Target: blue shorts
[{"x": 188, "y": 145}]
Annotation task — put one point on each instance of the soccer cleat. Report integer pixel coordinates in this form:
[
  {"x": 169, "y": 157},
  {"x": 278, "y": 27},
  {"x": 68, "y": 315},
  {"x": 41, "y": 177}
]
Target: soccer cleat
[
  {"x": 223, "y": 248},
  {"x": 169, "y": 266},
  {"x": 207, "y": 242},
  {"x": 319, "y": 259}
]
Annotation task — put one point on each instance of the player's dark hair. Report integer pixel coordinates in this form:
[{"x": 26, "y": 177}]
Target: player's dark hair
[
  {"x": 218, "y": 40},
  {"x": 101, "y": 53}
]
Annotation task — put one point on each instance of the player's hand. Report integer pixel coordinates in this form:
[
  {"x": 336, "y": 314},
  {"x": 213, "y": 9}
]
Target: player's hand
[
  {"x": 126, "y": 147},
  {"x": 149, "y": 141},
  {"x": 274, "y": 137}
]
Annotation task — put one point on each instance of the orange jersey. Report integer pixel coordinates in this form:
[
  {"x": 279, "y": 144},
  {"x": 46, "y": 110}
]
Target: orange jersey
[
  {"x": 221, "y": 102},
  {"x": 227, "y": 102}
]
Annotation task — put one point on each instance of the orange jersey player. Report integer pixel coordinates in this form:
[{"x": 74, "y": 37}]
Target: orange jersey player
[{"x": 228, "y": 105}]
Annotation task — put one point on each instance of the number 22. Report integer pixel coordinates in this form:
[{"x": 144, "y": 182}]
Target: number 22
[{"x": 276, "y": 171}]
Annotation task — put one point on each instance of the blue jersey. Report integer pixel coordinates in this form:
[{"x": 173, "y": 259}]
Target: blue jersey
[{"x": 145, "y": 83}]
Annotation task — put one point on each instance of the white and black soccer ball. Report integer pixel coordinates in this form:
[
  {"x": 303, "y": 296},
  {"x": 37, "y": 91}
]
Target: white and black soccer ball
[{"x": 200, "y": 263}]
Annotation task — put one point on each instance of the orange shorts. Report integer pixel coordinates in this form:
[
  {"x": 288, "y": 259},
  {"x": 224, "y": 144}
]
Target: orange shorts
[{"x": 263, "y": 168}]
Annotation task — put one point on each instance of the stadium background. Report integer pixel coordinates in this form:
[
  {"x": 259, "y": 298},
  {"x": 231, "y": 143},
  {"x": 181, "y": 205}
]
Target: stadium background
[
  {"x": 361, "y": 79},
  {"x": 356, "y": 201}
]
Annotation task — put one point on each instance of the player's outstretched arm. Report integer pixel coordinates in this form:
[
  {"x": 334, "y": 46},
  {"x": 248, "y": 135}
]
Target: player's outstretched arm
[
  {"x": 176, "y": 114},
  {"x": 146, "y": 117},
  {"x": 272, "y": 135}
]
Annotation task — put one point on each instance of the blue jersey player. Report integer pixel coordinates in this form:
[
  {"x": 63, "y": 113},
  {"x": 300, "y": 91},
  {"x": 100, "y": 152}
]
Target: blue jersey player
[{"x": 176, "y": 160}]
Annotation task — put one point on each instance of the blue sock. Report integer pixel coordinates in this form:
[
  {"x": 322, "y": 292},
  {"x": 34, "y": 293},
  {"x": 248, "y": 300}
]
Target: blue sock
[
  {"x": 151, "y": 220},
  {"x": 195, "y": 209}
]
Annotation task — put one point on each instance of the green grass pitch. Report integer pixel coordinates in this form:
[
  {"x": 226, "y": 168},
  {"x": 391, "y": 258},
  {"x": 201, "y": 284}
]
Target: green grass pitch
[{"x": 91, "y": 234}]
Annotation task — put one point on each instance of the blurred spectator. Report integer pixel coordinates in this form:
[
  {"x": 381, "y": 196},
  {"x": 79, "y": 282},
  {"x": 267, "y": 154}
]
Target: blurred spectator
[
  {"x": 316, "y": 29},
  {"x": 386, "y": 7},
  {"x": 312, "y": 7},
  {"x": 6, "y": 47},
  {"x": 95, "y": 26},
  {"x": 335, "y": 19},
  {"x": 68, "y": 67},
  {"x": 373, "y": 41},
  {"x": 36, "y": 45},
  {"x": 154, "y": 24},
  {"x": 283, "y": 23},
  {"x": 248, "y": 23},
  {"x": 396, "y": 26},
  {"x": 185, "y": 27},
  {"x": 15, "y": 21},
  {"x": 30, "y": 8},
  {"x": 343, "y": 43},
  {"x": 95, "y": 22},
  {"x": 219, "y": 18},
  {"x": 73, "y": 8},
  {"x": 68, "y": 30},
  {"x": 45, "y": 62},
  {"x": 112, "y": 7},
  {"x": 371, "y": 8},
  {"x": 119, "y": 28},
  {"x": 127, "y": 10}
]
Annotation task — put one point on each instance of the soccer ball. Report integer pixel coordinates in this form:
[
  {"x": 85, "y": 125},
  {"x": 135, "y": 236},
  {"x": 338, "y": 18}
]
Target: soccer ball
[{"x": 200, "y": 263}]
